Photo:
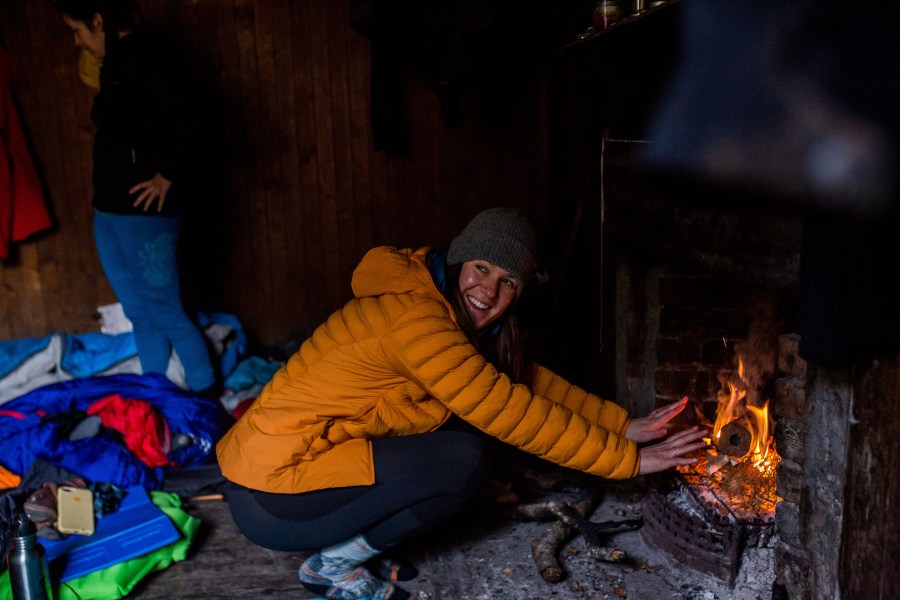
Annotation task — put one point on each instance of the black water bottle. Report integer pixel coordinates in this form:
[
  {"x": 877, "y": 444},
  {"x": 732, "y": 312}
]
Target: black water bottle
[{"x": 28, "y": 574}]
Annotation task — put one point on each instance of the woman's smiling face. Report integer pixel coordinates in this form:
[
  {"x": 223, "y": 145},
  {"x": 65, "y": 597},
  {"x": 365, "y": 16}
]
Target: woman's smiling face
[{"x": 488, "y": 291}]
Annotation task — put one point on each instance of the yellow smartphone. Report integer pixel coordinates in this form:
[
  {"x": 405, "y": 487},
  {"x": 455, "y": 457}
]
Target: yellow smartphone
[{"x": 75, "y": 510}]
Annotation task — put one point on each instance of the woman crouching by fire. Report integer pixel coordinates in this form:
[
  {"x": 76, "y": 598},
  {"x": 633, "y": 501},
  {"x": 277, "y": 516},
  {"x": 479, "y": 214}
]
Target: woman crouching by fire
[{"x": 353, "y": 447}]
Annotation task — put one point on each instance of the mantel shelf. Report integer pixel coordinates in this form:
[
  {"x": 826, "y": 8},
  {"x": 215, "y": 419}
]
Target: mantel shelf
[{"x": 592, "y": 35}]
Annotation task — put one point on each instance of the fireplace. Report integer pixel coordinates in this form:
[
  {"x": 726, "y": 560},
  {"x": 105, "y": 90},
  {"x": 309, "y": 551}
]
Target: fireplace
[
  {"x": 706, "y": 296},
  {"x": 725, "y": 346},
  {"x": 719, "y": 515},
  {"x": 683, "y": 268}
]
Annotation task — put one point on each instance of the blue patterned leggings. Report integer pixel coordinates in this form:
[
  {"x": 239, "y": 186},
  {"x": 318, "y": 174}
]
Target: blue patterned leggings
[{"x": 138, "y": 254}]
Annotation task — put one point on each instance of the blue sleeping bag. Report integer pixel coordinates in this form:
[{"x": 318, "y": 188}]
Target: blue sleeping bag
[{"x": 26, "y": 435}]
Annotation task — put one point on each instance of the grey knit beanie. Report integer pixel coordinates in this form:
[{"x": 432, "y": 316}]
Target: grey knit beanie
[{"x": 502, "y": 236}]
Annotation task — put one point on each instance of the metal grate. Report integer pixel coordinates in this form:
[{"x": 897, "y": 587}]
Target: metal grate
[{"x": 678, "y": 523}]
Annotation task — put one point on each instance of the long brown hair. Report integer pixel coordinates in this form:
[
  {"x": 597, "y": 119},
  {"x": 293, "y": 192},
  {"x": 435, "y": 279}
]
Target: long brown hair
[{"x": 502, "y": 345}]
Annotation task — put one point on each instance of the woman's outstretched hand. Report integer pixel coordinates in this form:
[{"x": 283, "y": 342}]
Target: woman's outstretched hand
[
  {"x": 652, "y": 427},
  {"x": 671, "y": 451}
]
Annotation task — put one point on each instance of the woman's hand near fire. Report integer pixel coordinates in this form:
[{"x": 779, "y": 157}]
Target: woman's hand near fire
[
  {"x": 672, "y": 451},
  {"x": 652, "y": 427}
]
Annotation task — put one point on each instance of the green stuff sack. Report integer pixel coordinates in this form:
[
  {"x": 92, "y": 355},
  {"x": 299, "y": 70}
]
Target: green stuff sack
[{"x": 118, "y": 580}]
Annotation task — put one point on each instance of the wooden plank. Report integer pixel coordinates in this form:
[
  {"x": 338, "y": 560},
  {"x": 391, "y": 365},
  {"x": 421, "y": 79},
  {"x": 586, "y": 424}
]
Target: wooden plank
[
  {"x": 431, "y": 157},
  {"x": 36, "y": 63},
  {"x": 236, "y": 261},
  {"x": 15, "y": 271},
  {"x": 303, "y": 193},
  {"x": 360, "y": 141},
  {"x": 31, "y": 308},
  {"x": 276, "y": 113},
  {"x": 250, "y": 152},
  {"x": 74, "y": 270},
  {"x": 346, "y": 218},
  {"x": 6, "y": 268},
  {"x": 304, "y": 220},
  {"x": 871, "y": 512},
  {"x": 322, "y": 37},
  {"x": 222, "y": 563}
]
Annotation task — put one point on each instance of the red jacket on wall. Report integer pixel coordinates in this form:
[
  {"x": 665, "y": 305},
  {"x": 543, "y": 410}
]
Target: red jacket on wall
[{"x": 23, "y": 210}]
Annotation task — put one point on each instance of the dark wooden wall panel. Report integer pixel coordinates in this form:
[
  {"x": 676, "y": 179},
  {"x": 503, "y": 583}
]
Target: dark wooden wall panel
[
  {"x": 50, "y": 281},
  {"x": 302, "y": 195},
  {"x": 302, "y": 216},
  {"x": 871, "y": 509}
]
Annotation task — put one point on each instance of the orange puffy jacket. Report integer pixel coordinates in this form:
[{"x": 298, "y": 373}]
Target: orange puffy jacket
[{"x": 394, "y": 362}]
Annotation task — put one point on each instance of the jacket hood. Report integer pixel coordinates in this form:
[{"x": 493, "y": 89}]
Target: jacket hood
[{"x": 388, "y": 270}]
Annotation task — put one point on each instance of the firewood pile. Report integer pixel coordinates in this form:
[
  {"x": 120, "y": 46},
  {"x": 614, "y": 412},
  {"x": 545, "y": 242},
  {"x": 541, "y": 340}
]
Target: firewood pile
[{"x": 566, "y": 503}]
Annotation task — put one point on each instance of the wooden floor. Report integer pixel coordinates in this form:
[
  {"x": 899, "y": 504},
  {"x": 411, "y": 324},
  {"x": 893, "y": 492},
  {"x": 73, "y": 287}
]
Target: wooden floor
[
  {"x": 222, "y": 563},
  {"x": 475, "y": 556}
]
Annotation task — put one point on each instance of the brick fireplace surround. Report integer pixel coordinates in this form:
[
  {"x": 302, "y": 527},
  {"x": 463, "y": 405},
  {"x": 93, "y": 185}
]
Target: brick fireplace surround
[
  {"x": 810, "y": 437},
  {"x": 695, "y": 284}
]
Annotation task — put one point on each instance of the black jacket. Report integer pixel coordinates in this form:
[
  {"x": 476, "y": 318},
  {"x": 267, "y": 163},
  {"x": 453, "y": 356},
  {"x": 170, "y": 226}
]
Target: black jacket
[{"x": 146, "y": 119}]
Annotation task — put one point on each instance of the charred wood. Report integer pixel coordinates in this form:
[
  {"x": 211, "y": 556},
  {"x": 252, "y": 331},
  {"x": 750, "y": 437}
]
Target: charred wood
[
  {"x": 734, "y": 440},
  {"x": 570, "y": 517}
]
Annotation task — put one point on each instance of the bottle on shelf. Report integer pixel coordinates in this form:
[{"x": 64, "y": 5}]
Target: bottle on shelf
[{"x": 606, "y": 13}]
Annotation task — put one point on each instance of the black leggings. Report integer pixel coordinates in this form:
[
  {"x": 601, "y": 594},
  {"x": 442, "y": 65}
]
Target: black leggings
[{"x": 420, "y": 481}]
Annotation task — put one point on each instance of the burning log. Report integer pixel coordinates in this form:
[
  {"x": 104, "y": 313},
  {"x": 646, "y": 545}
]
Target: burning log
[{"x": 734, "y": 440}]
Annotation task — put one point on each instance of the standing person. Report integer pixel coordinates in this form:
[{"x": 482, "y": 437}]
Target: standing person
[
  {"x": 142, "y": 172},
  {"x": 351, "y": 448}
]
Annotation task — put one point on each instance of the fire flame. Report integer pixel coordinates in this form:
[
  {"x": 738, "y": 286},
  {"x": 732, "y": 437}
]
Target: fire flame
[
  {"x": 759, "y": 445},
  {"x": 743, "y": 486},
  {"x": 730, "y": 407},
  {"x": 755, "y": 419}
]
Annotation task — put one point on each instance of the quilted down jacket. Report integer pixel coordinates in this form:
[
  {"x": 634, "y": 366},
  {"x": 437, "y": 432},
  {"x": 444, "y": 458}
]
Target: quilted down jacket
[{"x": 393, "y": 362}]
